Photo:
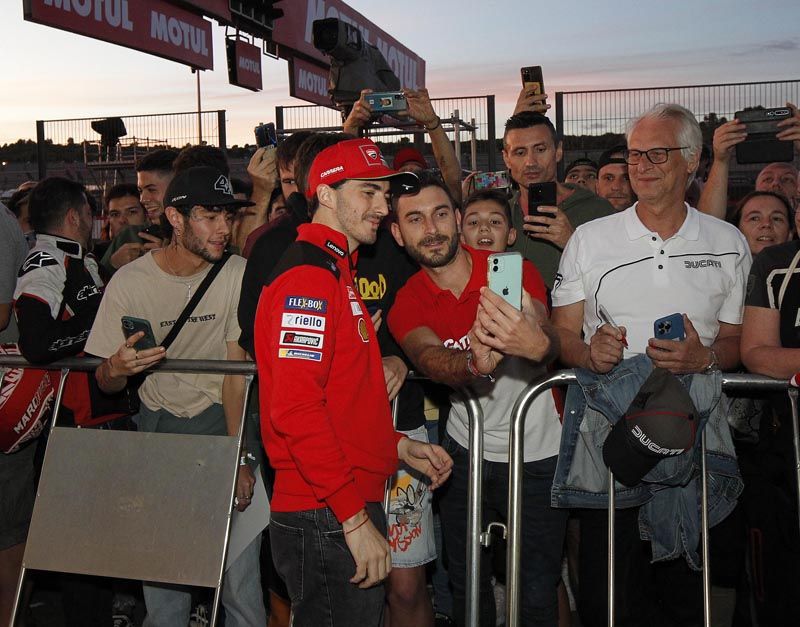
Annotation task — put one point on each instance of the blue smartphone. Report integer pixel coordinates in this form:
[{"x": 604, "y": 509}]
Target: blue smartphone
[
  {"x": 669, "y": 328},
  {"x": 505, "y": 277},
  {"x": 131, "y": 326}
]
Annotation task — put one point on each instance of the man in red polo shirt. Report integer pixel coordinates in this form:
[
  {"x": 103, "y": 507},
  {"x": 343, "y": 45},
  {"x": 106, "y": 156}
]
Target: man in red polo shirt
[
  {"x": 457, "y": 332},
  {"x": 325, "y": 415}
]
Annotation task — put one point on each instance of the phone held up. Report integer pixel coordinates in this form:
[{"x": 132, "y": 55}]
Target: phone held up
[
  {"x": 532, "y": 78},
  {"x": 131, "y": 326},
  {"x": 505, "y": 277},
  {"x": 265, "y": 135},
  {"x": 761, "y": 145},
  {"x": 492, "y": 180},
  {"x": 385, "y": 102},
  {"x": 541, "y": 194}
]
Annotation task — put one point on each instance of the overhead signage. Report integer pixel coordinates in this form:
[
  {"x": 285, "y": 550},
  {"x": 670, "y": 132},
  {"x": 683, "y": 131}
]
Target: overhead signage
[
  {"x": 294, "y": 31},
  {"x": 218, "y": 9},
  {"x": 309, "y": 82},
  {"x": 152, "y": 26},
  {"x": 244, "y": 64}
]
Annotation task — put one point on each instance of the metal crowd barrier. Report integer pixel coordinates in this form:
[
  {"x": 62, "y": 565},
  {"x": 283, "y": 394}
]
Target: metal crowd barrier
[
  {"x": 730, "y": 383},
  {"x": 213, "y": 458}
]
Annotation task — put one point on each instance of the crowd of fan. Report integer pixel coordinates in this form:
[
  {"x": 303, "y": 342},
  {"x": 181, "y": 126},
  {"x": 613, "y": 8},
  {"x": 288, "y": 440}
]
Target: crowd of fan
[{"x": 290, "y": 290}]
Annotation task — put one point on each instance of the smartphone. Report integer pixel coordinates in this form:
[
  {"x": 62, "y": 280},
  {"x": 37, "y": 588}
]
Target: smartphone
[
  {"x": 761, "y": 145},
  {"x": 265, "y": 135},
  {"x": 541, "y": 194},
  {"x": 669, "y": 328},
  {"x": 492, "y": 180},
  {"x": 155, "y": 230},
  {"x": 505, "y": 277},
  {"x": 532, "y": 78},
  {"x": 387, "y": 101},
  {"x": 131, "y": 326}
]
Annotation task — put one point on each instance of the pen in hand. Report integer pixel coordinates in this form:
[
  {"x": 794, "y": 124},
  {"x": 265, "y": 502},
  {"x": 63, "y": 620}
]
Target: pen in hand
[{"x": 607, "y": 319}]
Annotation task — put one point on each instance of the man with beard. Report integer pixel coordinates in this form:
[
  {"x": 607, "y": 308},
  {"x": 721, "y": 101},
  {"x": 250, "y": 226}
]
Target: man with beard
[
  {"x": 613, "y": 182},
  {"x": 200, "y": 207},
  {"x": 459, "y": 333},
  {"x": 531, "y": 151},
  {"x": 325, "y": 414}
]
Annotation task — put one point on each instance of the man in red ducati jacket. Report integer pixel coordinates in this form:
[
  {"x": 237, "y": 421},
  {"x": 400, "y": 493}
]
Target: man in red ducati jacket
[{"x": 325, "y": 415}]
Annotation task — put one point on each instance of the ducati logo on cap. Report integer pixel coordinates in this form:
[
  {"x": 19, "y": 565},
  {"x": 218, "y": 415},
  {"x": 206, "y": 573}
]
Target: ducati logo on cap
[
  {"x": 223, "y": 185},
  {"x": 371, "y": 154}
]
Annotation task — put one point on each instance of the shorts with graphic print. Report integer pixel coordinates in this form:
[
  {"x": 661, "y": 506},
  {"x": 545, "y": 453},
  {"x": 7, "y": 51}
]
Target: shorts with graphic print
[{"x": 410, "y": 521}]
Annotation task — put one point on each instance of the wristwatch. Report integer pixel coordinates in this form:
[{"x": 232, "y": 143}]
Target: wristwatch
[{"x": 713, "y": 365}]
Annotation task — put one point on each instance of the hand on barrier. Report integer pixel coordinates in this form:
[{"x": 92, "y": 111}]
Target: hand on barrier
[
  {"x": 369, "y": 549},
  {"x": 127, "y": 361},
  {"x": 245, "y": 483},
  {"x": 606, "y": 348},
  {"x": 430, "y": 459},
  {"x": 511, "y": 331},
  {"x": 680, "y": 356},
  {"x": 394, "y": 371}
]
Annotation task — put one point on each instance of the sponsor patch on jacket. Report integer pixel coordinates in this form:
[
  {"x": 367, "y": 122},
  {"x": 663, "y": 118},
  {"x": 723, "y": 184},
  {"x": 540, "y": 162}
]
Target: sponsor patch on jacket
[
  {"x": 356, "y": 308},
  {"x": 351, "y": 293},
  {"x": 362, "y": 330},
  {"x": 39, "y": 259},
  {"x": 303, "y": 321},
  {"x": 298, "y": 353},
  {"x": 305, "y": 303},
  {"x": 309, "y": 340},
  {"x": 335, "y": 248}
]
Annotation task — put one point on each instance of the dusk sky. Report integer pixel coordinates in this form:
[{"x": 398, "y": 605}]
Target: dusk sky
[{"x": 471, "y": 48}]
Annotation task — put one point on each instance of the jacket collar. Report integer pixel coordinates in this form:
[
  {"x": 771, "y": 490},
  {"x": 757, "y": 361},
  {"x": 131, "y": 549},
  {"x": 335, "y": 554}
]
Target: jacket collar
[
  {"x": 69, "y": 247},
  {"x": 331, "y": 241}
]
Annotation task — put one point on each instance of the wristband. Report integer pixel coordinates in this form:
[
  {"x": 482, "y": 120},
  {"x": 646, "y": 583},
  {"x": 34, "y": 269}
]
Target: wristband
[
  {"x": 471, "y": 369},
  {"x": 361, "y": 524},
  {"x": 435, "y": 126},
  {"x": 713, "y": 364}
]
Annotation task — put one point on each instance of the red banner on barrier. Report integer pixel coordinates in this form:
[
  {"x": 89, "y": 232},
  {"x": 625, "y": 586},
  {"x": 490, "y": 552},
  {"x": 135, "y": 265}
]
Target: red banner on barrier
[
  {"x": 295, "y": 31},
  {"x": 244, "y": 64},
  {"x": 152, "y": 26},
  {"x": 309, "y": 82}
]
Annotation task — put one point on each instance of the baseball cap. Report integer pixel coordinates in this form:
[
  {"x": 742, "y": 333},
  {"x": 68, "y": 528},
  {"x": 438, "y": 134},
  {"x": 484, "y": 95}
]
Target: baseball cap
[
  {"x": 581, "y": 161},
  {"x": 607, "y": 159},
  {"x": 661, "y": 422},
  {"x": 202, "y": 185},
  {"x": 409, "y": 155},
  {"x": 358, "y": 159}
]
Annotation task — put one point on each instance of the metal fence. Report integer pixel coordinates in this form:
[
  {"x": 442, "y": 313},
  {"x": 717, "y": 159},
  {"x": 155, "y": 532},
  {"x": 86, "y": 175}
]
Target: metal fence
[
  {"x": 75, "y": 141},
  {"x": 458, "y": 115}
]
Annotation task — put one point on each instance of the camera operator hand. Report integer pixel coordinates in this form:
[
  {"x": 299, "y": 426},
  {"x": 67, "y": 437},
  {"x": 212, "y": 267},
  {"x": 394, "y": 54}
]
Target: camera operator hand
[
  {"x": 790, "y": 129},
  {"x": 420, "y": 107},
  {"x": 359, "y": 116},
  {"x": 726, "y": 136},
  {"x": 529, "y": 100}
]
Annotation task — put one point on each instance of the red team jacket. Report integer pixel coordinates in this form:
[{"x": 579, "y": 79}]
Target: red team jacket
[{"x": 325, "y": 416}]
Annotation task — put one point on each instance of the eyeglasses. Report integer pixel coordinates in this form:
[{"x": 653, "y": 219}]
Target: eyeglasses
[{"x": 654, "y": 155}]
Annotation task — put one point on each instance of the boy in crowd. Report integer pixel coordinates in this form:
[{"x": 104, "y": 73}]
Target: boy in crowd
[{"x": 486, "y": 221}]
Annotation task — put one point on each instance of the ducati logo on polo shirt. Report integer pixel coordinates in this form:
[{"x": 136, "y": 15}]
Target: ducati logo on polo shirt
[
  {"x": 305, "y": 303},
  {"x": 362, "y": 330},
  {"x": 702, "y": 263},
  {"x": 371, "y": 155}
]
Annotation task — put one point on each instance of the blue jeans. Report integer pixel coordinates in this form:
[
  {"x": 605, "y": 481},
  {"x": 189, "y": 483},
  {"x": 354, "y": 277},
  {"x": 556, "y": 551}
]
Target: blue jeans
[
  {"x": 543, "y": 529},
  {"x": 312, "y": 558},
  {"x": 170, "y": 605}
]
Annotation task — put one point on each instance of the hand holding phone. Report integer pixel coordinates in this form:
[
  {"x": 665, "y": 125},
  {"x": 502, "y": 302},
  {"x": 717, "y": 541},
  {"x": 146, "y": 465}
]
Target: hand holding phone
[
  {"x": 505, "y": 277},
  {"x": 131, "y": 326},
  {"x": 669, "y": 328},
  {"x": 265, "y": 135}
]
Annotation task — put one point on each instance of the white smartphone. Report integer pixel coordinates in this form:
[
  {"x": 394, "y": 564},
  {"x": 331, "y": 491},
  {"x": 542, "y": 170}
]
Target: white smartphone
[{"x": 505, "y": 277}]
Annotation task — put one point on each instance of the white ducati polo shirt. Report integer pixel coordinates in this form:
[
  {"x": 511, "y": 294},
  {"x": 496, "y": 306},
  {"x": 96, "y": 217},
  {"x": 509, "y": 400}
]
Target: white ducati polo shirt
[{"x": 619, "y": 263}]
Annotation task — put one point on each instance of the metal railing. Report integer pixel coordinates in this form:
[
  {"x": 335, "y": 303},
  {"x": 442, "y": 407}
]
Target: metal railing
[{"x": 730, "y": 383}]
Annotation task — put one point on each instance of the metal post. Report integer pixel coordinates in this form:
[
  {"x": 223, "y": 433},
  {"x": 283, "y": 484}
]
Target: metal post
[
  {"x": 457, "y": 136},
  {"x": 248, "y": 382},
  {"x": 474, "y": 498},
  {"x": 388, "y": 490},
  {"x": 222, "y": 131},
  {"x": 704, "y": 518},
  {"x": 473, "y": 147},
  {"x": 491, "y": 129},
  {"x": 796, "y": 438},
  {"x": 560, "y": 128},
  {"x": 199, "y": 111},
  {"x": 21, "y": 581},
  {"x": 41, "y": 153},
  {"x": 612, "y": 504}
]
